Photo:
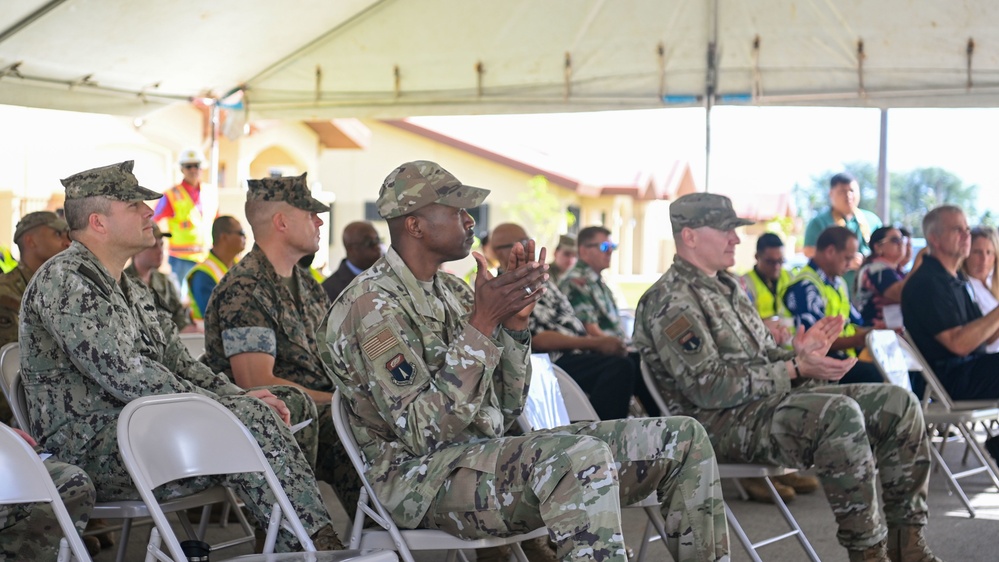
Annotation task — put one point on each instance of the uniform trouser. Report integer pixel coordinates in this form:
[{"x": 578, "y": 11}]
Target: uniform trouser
[
  {"x": 850, "y": 434},
  {"x": 575, "y": 479},
  {"x": 103, "y": 462},
  {"x": 31, "y": 531},
  {"x": 333, "y": 465},
  {"x": 608, "y": 380}
]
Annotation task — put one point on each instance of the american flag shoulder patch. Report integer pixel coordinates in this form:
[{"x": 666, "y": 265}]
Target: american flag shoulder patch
[{"x": 378, "y": 344}]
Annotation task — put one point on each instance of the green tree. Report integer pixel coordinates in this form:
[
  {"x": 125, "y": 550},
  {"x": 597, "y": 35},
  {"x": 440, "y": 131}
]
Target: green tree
[
  {"x": 916, "y": 192},
  {"x": 539, "y": 211}
]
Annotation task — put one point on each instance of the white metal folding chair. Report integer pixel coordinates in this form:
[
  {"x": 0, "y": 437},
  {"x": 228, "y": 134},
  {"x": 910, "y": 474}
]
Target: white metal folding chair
[
  {"x": 404, "y": 541},
  {"x": 24, "y": 479},
  {"x": 195, "y": 343},
  {"x": 939, "y": 411},
  {"x": 127, "y": 511},
  {"x": 747, "y": 470},
  {"x": 554, "y": 400},
  {"x": 170, "y": 437}
]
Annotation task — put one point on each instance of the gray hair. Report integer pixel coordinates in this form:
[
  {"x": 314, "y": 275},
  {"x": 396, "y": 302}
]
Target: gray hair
[
  {"x": 931, "y": 222},
  {"x": 78, "y": 211}
]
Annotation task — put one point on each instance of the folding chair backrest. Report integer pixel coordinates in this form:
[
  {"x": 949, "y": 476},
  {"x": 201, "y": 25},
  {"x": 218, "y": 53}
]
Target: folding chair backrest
[
  {"x": 195, "y": 343},
  {"x": 577, "y": 404},
  {"x": 888, "y": 357},
  {"x": 24, "y": 479},
  {"x": 544, "y": 407},
  {"x": 934, "y": 389},
  {"x": 650, "y": 383},
  {"x": 169, "y": 437},
  {"x": 11, "y": 384}
]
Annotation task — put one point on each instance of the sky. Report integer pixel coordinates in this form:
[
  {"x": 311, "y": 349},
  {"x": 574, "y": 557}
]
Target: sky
[{"x": 765, "y": 149}]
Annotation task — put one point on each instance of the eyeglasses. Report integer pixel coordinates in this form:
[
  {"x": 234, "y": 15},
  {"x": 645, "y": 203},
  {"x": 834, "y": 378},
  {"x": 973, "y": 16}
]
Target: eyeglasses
[
  {"x": 190, "y": 166},
  {"x": 895, "y": 240},
  {"x": 370, "y": 243},
  {"x": 605, "y": 246},
  {"x": 767, "y": 261}
]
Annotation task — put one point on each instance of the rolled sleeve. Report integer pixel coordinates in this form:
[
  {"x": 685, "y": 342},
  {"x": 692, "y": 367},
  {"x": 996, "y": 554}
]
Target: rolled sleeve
[{"x": 249, "y": 340}]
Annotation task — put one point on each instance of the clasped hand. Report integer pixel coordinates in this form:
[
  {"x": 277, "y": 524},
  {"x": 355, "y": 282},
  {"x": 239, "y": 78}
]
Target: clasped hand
[{"x": 508, "y": 299}]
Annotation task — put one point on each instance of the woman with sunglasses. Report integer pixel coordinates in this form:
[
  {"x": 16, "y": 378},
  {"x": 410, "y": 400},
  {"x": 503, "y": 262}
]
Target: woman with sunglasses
[
  {"x": 981, "y": 268},
  {"x": 879, "y": 281}
]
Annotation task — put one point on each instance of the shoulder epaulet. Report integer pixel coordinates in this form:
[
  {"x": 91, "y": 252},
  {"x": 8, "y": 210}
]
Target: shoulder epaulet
[{"x": 86, "y": 271}]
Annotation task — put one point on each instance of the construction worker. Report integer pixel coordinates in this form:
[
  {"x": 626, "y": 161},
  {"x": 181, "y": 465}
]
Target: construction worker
[{"x": 186, "y": 211}]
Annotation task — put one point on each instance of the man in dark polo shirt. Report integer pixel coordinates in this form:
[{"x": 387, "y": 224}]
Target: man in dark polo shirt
[{"x": 942, "y": 317}]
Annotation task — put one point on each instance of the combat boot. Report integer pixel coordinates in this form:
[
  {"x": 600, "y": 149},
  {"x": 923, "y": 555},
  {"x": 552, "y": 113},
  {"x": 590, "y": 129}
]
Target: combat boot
[
  {"x": 326, "y": 539},
  {"x": 759, "y": 492},
  {"x": 493, "y": 554},
  {"x": 907, "y": 544},
  {"x": 802, "y": 483},
  {"x": 876, "y": 553},
  {"x": 539, "y": 550}
]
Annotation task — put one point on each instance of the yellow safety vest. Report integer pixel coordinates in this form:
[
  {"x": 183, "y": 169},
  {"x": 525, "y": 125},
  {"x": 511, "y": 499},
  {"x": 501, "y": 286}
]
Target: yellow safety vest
[
  {"x": 765, "y": 301},
  {"x": 215, "y": 269},
  {"x": 837, "y": 300},
  {"x": 316, "y": 275},
  {"x": 188, "y": 240},
  {"x": 7, "y": 261}
]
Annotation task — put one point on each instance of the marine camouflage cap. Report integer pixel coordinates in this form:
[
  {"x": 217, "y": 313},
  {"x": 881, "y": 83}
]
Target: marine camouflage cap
[
  {"x": 293, "y": 190},
  {"x": 115, "y": 181},
  {"x": 415, "y": 185},
  {"x": 39, "y": 218},
  {"x": 704, "y": 209}
]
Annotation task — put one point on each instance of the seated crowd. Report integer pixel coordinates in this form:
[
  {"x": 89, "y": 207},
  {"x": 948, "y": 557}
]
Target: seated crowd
[{"x": 764, "y": 368}]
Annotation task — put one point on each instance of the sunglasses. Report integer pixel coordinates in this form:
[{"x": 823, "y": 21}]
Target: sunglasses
[
  {"x": 508, "y": 246},
  {"x": 191, "y": 166},
  {"x": 605, "y": 246},
  {"x": 239, "y": 233},
  {"x": 780, "y": 261}
]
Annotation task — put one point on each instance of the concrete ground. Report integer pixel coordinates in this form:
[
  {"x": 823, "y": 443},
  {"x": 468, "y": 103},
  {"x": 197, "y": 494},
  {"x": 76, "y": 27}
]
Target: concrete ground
[{"x": 952, "y": 534}]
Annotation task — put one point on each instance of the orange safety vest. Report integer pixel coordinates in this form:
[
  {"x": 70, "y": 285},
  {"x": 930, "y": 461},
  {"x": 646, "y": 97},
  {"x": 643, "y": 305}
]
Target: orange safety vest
[
  {"x": 186, "y": 225},
  {"x": 215, "y": 269}
]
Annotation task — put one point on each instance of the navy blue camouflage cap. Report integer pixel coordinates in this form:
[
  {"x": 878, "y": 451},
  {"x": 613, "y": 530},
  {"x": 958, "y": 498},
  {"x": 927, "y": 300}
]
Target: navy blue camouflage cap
[
  {"x": 695, "y": 210},
  {"x": 415, "y": 185},
  {"x": 293, "y": 190},
  {"x": 115, "y": 181},
  {"x": 36, "y": 219}
]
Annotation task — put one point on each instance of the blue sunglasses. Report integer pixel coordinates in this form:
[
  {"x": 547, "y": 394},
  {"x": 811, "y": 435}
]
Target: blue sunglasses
[{"x": 605, "y": 246}]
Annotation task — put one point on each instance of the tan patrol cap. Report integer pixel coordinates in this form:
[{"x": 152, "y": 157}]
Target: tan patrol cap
[
  {"x": 36, "y": 219},
  {"x": 415, "y": 185}
]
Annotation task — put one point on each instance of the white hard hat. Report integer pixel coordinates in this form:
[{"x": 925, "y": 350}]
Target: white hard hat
[{"x": 190, "y": 156}]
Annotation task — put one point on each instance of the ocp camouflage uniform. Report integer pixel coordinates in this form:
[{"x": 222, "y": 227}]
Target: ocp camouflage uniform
[
  {"x": 252, "y": 311},
  {"x": 89, "y": 345},
  {"x": 430, "y": 397},
  {"x": 592, "y": 299},
  {"x": 166, "y": 295},
  {"x": 31, "y": 531},
  {"x": 713, "y": 359},
  {"x": 12, "y": 285}
]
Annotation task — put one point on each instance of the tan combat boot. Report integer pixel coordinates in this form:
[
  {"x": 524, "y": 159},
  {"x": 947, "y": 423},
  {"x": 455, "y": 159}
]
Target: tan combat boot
[
  {"x": 802, "y": 483},
  {"x": 493, "y": 554},
  {"x": 539, "y": 550},
  {"x": 907, "y": 544},
  {"x": 759, "y": 492},
  {"x": 876, "y": 553}
]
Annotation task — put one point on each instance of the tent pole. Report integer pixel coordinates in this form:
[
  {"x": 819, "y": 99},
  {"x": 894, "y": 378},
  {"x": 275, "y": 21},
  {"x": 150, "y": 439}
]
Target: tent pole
[
  {"x": 710, "y": 86},
  {"x": 883, "y": 198}
]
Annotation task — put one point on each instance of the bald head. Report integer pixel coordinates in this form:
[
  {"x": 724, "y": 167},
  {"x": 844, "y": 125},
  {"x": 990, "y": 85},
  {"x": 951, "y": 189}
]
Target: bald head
[
  {"x": 362, "y": 243},
  {"x": 502, "y": 239}
]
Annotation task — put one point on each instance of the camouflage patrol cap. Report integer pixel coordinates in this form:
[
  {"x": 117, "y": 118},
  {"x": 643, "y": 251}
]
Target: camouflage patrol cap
[
  {"x": 704, "y": 209},
  {"x": 415, "y": 185},
  {"x": 39, "y": 218},
  {"x": 115, "y": 181},
  {"x": 566, "y": 242},
  {"x": 293, "y": 190}
]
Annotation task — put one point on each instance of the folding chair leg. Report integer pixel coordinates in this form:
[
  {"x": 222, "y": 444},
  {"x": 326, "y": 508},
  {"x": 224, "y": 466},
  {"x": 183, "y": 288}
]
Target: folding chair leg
[
  {"x": 952, "y": 482},
  {"x": 741, "y": 535},
  {"x": 518, "y": 552},
  {"x": 126, "y": 528},
  {"x": 807, "y": 546},
  {"x": 654, "y": 526}
]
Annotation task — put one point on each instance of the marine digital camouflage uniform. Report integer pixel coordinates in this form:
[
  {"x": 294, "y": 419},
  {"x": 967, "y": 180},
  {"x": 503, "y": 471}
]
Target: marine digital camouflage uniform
[
  {"x": 12, "y": 285},
  {"x": 31, "y": 531},
  {"x": 166, "y": 295},
  {"x": 430, "y": 397},
  {"x": 713, "y": 359},
  {"x": 90, "y": 345},
  {"x": 252, "y": 311},
  {"x": 592, "y": 299}
]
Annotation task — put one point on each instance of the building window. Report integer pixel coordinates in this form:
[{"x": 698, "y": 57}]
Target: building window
[
  {"x": 481, "y": 216},
  {"x": 576, "y": 213}
]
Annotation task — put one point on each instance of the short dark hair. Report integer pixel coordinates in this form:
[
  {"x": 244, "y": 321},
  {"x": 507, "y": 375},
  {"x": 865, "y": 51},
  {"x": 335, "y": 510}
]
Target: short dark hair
[
  {"x": 768, "y": 240},
  {"x": 223, "y": 225},
  {"x": 842, "y": 177},
  {"x": 589, "y": 233},
  {"x": 836, "y": 236}
]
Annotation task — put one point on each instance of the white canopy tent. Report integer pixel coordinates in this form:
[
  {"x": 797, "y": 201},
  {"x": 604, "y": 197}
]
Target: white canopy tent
[{"x": 317, "y": 59}]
